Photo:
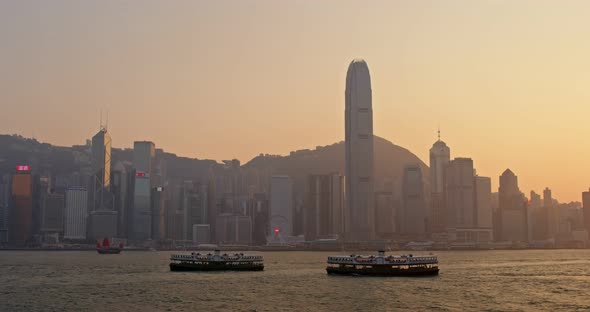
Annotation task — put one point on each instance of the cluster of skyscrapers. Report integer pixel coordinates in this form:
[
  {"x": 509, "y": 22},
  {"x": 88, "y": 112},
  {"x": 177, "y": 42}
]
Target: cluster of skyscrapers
[{"x": 144, "y": 197}]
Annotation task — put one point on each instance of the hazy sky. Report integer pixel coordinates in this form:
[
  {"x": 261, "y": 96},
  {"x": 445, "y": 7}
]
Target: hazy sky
[{"x": 508, "y": 81}]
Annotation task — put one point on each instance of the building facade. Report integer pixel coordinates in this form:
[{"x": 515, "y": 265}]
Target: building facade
[
  {"x": 76, "y": 213},
  {"x": 144, "y": 153},
  {"x": 414, "y": 214},
  {"x": 440, "y": 156},
  {"x": 324, "y": 206},
  {"x": 513, "y": 212},
  {"x": 21, "y": 211},
  {"x": 360, "y": 223}
]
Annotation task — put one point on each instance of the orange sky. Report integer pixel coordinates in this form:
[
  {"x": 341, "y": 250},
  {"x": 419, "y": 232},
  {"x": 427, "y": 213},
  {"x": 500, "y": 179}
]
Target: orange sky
[{"x": 508, "y": 81}]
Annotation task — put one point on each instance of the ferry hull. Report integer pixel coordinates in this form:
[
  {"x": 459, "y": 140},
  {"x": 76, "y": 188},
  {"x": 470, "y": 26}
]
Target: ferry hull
[
  {"x": 383, "y": 271},
  {"x": 214, "y": 267}
]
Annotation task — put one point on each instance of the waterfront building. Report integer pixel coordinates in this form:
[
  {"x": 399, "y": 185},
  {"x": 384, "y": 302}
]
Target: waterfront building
[
  {"x": 76, "y": 213},
  {"x": 324, "y": 206},
  {"x": 52, "y": 217},
  {"x": 281, "y": 205},
  {"x": 21, "y": 212},
  {"x": 360, "y": 223},
  {"x": 513, "y": 210},
  {"x": 414, "y": 214},
  {"x": 440, "y": 157}
]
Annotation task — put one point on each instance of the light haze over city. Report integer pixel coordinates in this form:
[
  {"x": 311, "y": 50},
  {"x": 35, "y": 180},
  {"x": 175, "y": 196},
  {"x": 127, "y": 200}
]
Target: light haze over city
[{"x": 232, "y": 79}]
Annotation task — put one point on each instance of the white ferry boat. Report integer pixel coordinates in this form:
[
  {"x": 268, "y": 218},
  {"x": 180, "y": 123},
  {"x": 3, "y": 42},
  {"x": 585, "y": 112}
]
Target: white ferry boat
[
  {"x": 216, "y": 262},
  {"x": 382, "y": 265}
]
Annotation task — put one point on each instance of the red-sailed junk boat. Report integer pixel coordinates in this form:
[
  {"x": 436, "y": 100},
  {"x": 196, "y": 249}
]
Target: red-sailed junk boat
[{"x": 106, "y": 247}]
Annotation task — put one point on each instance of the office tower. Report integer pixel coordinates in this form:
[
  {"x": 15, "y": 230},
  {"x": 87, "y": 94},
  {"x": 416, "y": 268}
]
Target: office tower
[
  {"x": 233, "y": 229},
  {"x": 586, "y": 209},
  {"x": 483, "y": 209},
  {"x": 440, "y": 156},
  {"x": 195, "y": 207},
  {"x": 144, "y": 153},
  {"x": 21, "y": 215},
  {"x": 513, "y": 215},
  {"x": 259, "y": 212},
  {"x": 76, "y": 213},
  {"x": 158, "y": 213},
  {"x": 324, "y": 206},
  {"x": 101, "y": 170},
  {"x": 52, "y": 220},
  {"x": 159, "y": 196},
  {"x": 175, "y": 211},
  {"x": 552, "y": 213},
  {"x": 414, "y": 214},
  {"x": 281, "y": 205},
  {"x": 537, "y": 217},
  {"x": 483, "y": 202},
  {"x": 121, "y": 178},
  {"x": 102, "y": 217},
  {"x": 385, "y": 214},
  {"x": 360, "y": 223},
  {"x": 4, "y": 207},
  {"x": 460, "y": 203}
]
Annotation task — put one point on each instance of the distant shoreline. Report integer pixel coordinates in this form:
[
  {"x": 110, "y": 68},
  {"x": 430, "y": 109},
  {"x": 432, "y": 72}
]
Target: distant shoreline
[{"x": 280, "y": 249}]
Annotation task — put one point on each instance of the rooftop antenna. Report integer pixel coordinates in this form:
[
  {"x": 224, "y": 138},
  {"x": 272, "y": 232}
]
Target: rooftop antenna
[
  {"x": 439, "y": 132},
  {"x": 106, "y": 126},
  {"x": 100, "y": 125}
]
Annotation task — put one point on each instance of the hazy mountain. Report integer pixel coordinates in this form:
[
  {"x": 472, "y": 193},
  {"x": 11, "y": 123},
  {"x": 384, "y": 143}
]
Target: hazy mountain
[{"x": 390, "y": 160}]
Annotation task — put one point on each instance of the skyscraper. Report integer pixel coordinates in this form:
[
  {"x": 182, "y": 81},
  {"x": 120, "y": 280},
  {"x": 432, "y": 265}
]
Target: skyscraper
[
  {"x": 414, "y": 216},
  {"x": 551, "y": 212},
  {"x": 101, "y": 170},
  {"x": 281, "y": 205},
  {"x": 76, "y": 213},
  {"x": 21, "y": 212},
  {"x": 513, "y": 215},
  {"x": 4, "y": 206},
  {"x": 324, "y": 205},
  {"x": 144, "y": 153},
  {"x": 482, "y": 186},
  {"x": 440, "y": 156},
  {"x": 52, "y": 213},
  {"x": 360, "y": 217},
  {"x": 460, "y": 201}
]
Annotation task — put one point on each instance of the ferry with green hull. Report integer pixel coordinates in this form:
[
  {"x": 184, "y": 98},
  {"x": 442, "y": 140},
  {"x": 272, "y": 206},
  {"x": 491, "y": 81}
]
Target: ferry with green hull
[
  {"x": 216, "y": 262},
  {"x": 382, "y": 265}
]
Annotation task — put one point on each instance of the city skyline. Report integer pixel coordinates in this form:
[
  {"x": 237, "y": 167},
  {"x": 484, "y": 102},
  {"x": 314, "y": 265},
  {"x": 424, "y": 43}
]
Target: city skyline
[{"x": 509, "y": 82}]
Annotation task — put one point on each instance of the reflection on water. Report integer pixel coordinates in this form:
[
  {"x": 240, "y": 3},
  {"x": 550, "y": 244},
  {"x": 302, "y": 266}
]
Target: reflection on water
[{"x": 528, "y": 280}]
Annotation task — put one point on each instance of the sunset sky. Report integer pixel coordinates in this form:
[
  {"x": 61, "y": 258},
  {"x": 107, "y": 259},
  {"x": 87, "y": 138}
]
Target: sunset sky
[{"x": 507, "y": 81}]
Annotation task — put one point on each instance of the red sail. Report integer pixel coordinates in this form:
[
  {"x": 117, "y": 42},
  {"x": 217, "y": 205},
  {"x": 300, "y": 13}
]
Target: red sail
[
  {"x": 97, "y": 245},
  {"x": 105, "y": 243}
]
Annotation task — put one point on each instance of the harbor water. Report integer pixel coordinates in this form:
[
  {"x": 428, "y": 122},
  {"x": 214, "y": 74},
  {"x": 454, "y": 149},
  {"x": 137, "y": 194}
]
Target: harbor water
[{"x": 519, "y": 280}]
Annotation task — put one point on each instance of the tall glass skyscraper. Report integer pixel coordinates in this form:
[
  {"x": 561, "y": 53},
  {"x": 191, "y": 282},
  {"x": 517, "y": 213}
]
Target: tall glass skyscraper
[{"x": 360, "y": 217}]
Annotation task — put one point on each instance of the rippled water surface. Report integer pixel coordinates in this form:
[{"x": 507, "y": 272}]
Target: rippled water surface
[{"x": 529, "y": 280}]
